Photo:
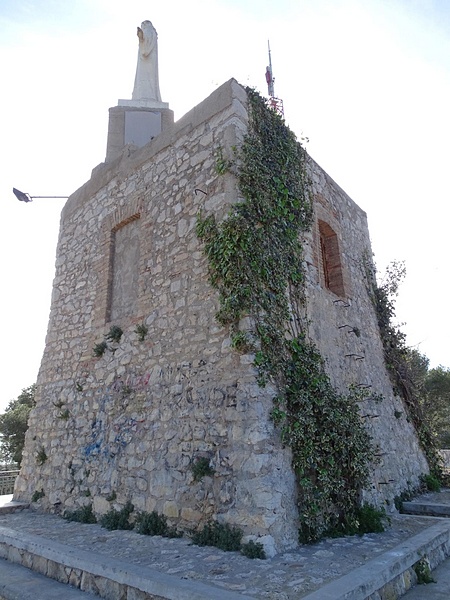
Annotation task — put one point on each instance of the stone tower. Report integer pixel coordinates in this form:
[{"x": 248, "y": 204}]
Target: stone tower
[{"x": 170, "y": 390}]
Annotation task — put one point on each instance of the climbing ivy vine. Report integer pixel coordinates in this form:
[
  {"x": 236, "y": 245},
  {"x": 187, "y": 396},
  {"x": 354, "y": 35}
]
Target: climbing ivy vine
[{"x": 256, "y": 263}]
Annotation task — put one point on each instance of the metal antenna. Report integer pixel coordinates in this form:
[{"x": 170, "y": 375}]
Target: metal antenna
[
  {"x": 269, "y": 75},
  {"x": 273, "y": 102}
]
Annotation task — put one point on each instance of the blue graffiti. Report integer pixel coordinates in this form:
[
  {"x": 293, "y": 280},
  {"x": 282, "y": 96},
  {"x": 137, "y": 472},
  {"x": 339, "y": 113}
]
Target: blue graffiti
[{"x": 102, "y": 442}]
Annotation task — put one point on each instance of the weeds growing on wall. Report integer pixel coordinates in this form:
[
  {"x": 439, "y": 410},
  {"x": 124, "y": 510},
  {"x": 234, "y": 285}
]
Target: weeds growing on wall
[
  {"x": 37, "y": 495},
  {"x": 256, "y": 264},
  {"x": 114, "y": 334},
  {"x": 423, "y": 571},
  {"x": 141, "y": 331},
  {"x": 201, "y": 468},
  {"x": 100, "y": 349},
  {"x": 41, "y": 456},
  {"x": 430, "y": 483}
]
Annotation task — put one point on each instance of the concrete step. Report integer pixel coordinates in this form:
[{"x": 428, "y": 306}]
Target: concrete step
[
  {"x": 19, "y": 583},
  {"x": 8, "y": 505},
  {"x": 431, "y": 509}
]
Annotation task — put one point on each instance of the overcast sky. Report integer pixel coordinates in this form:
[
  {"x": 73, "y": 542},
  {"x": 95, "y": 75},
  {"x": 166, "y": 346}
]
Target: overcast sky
[{"x": 367, "y": 81}]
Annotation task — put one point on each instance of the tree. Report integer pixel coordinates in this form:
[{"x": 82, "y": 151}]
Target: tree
[
  {"x": 437, "y": 403},
  {"x": 14, "y": 424}
]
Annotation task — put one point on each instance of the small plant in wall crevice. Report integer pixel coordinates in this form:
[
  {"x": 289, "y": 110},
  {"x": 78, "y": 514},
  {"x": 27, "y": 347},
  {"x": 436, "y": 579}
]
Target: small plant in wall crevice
[
  {"x": 41, "y": 456},
  {"x": 64, "y": 415},
  {"x": 223, "y": 164},
  {"x": 423, "y": 571},
  {"x": 141, "y": 331},
  {"x": 100, "y": 349},
  {"x": 201, "y": 468},
  {"x": 114, "y": 334},
  {"x": 37, "y": 495}
]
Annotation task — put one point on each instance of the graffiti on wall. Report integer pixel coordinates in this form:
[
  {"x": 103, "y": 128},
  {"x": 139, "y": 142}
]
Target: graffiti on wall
[
  {"x": 119, "y": 417},
  {"x": 113, "y": 427}
]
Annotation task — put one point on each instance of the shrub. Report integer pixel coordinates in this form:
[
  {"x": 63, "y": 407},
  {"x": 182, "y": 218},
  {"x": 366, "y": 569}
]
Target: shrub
[
  {"x": 216, "y": 534},
  {"x": 371, "y": 519},
  {"x": 367, "y": 519},
  {"x": 118, "y": 519},
  {"x": 84, "y": 514},
  {"x": 253, "y": 550},
  {"x": 431, "y": 482},
  {"x": 155, "y": 524},
  {"x": 14, "y": 424}
]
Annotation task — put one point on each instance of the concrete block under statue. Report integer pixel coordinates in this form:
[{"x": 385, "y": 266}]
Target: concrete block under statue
[
  {"x": 139, "y": 120},
  {"x": 133, "y": 124}
]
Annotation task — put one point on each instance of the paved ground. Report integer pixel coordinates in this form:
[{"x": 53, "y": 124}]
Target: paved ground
[
  {"x": 19, "y": 583},
  {"x": 433, "y": 591},
  {"x": 288, "y": 576}
]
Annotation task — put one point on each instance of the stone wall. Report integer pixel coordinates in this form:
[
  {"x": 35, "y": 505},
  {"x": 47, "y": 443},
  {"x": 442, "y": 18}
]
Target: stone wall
[
  {"x": 132, "y": 422},
  {"x": 345, "y": 329}
]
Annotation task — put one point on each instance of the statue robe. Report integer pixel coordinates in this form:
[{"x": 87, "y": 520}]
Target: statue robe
[{"x": 146, "y": 83}]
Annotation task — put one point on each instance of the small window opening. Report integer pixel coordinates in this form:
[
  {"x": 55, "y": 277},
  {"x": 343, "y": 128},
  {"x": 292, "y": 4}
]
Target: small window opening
[{"x": 331, "y": 259}]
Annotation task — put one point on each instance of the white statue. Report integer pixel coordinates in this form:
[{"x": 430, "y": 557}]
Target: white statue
[{"x": 146, "y": 83}]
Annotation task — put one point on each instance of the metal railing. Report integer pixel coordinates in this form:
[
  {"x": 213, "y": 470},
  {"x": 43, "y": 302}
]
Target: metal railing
[{"x": 7, "y": 480}]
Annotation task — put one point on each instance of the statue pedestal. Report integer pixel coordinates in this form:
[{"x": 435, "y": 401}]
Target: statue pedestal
[
  {"x": 135, "y": 122},
  {"x": 142, "y": 103}
]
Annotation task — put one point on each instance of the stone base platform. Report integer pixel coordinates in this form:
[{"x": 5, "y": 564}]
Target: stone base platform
[{"x": 123, "y": 565}]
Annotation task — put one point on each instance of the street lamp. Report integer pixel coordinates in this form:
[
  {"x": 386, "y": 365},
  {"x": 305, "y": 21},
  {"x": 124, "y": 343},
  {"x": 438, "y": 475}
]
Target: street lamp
[{"x": 23, "y": 197}]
